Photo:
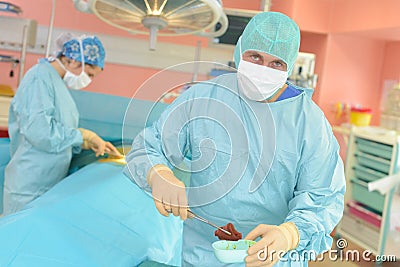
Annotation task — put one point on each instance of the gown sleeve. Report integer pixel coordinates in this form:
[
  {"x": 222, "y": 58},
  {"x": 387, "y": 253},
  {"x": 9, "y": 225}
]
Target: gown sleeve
[
  {"x": 165, "y": 142},
  {"x": 318, "y": 201},
  {"x": 35, "y": 112}
]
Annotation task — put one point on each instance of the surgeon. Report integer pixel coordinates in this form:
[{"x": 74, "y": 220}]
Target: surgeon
[
  {"x": 260, "y": 155},
  {"x": 43, "y": 121}
]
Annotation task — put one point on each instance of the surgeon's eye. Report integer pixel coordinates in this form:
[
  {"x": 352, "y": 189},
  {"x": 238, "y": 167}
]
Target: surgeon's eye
[
  {"x": 253, "y": 57},
  {"x": 278, "y": 64},
  {"x": 256, "y": 58}
]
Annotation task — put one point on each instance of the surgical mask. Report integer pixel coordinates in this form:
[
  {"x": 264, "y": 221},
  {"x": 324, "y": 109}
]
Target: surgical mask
[
  {"x": 74, "y": 81},
  {"x": 259, "y": 82}
]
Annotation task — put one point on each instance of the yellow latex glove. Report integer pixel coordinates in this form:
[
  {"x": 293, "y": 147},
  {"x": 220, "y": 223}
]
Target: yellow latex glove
[
  {"x": 168, "y": 191},
  {"x": 92, "y": 141},
  {"x": 274, "y": 243}
]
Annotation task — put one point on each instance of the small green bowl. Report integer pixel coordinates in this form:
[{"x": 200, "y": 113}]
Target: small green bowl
[{"x": 231, "y": 251}]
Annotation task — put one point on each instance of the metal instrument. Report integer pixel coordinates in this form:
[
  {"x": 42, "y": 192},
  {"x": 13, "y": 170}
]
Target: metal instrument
[{"x": 192, "y": 215}]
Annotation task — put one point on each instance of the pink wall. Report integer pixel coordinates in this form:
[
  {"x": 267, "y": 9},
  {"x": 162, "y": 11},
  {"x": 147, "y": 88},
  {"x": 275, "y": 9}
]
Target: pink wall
[
  {"x": 315, "y": 43},
  {"x": 310, "y": 15},
  {"x": 323, "y": 16},
  {"x": 126, "y": 80},
  {"x": 313, "y": 15},
  {"x": 391, "y": 68},
  {"x": 352, "y": 74},
  {"x": 358, "y": 15},
  {"x": 285, "y": 7},
  {"x": 240, "y": 4}
]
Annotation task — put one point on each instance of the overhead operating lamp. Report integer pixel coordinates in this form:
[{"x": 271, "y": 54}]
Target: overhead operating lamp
[{"x": 160, "y": 17}]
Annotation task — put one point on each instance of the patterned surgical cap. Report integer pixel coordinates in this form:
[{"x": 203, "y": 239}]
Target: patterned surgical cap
[{"x": 93, "y": 50}]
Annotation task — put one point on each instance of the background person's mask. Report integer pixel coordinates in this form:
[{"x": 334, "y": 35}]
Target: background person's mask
[{"x": 76, "y": 81}]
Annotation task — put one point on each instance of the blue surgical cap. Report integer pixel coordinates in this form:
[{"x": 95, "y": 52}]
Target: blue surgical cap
[
  {"x": 93, "y": 50},
  {"x": 272, "y": 33}
]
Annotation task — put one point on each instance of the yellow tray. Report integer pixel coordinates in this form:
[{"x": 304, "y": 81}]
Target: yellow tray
[
  {"x": 112, "y": 159},
  {"x": 6, "y": 90}
]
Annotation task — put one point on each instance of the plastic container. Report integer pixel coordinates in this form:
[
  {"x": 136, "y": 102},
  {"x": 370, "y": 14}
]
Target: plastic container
[
  {"x": 373, "y": 162},
  {"x": 360, "y": 193},
  {"x": 363, "y": 213},
  {"x": 360, "y": 116},
  {"x": 374, "y": 148},
  {"x": 367, "y": 174},
  {"x": 231, "y": 251}
]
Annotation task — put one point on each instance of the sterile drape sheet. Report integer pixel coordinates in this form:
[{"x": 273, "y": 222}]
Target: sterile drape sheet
[{"x": 94, "y": 217}]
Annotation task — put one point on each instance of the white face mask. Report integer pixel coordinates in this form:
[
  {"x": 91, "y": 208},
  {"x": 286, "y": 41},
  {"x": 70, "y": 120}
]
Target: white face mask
[
  {"x": 259, "y": 82},
  {"x": 73, "y": 81},
  {"x": 76, "y": 81}
]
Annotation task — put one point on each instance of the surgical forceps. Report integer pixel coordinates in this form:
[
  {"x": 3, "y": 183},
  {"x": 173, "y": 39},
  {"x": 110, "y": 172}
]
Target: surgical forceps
[{"x": 191, "y": 215}]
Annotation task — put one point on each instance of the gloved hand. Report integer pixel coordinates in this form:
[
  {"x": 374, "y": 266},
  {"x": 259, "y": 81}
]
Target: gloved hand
[
  {"x": 274, "y": 243},
  {"x": 168, "y": 191},
  {"x": 92, "y": 141}
]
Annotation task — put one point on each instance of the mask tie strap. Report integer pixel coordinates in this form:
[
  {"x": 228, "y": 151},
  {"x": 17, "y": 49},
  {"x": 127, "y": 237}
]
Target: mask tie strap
[
  {"x": 240, "y": 46},
  {"x": 59, "y": 63},
  {"x": 82, "y": 57}
]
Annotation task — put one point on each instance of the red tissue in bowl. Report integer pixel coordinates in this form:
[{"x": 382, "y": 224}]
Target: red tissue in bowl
[{"x": 230, "y": 228}]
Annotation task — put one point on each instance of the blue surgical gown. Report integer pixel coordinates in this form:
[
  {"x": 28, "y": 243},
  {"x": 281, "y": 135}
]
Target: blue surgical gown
[
  {"x": 250, "y": 163},
  {"x": 42, "y": 126}
]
